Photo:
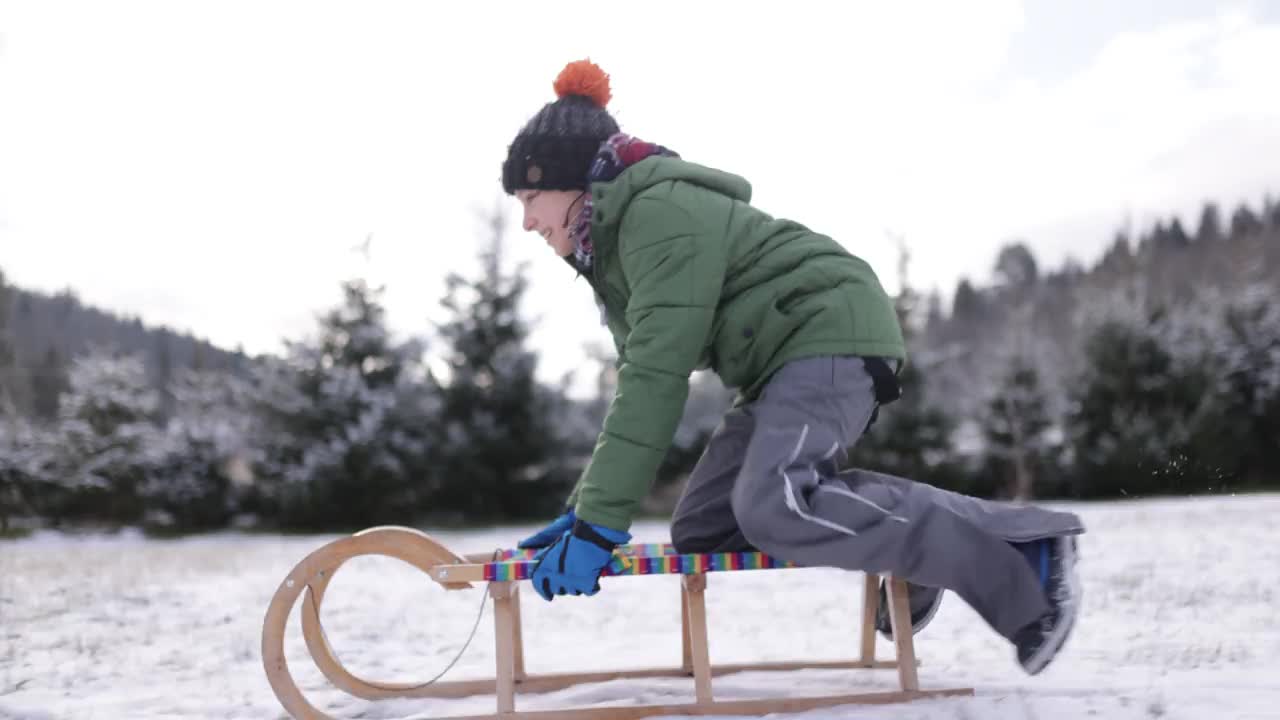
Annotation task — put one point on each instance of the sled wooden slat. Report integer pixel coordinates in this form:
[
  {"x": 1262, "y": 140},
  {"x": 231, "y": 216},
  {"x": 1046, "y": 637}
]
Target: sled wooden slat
[
  {"x": 686, "y": 652},
  {"x": 504, "y": 638},
  {"x": 549, "y": 682},
  {"x": 502, "y": 572},
  {"x": 699, "y": 651},
  {"x": 518, "y": 631},
  {"x": 870, "y": 603},
  {"x": 766, "y": 706},
  {"x": 900, "y": 621}
]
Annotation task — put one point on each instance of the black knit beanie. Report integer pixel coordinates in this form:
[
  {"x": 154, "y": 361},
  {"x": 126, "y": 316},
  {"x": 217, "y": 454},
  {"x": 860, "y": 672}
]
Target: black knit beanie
[{"x": 555, "y": 148}]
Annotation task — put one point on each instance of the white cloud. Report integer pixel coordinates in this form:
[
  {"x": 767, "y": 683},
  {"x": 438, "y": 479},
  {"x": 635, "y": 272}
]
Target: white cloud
[
  {"x": 210, "y": 166},
  {"x": 1156, "y": 123}
]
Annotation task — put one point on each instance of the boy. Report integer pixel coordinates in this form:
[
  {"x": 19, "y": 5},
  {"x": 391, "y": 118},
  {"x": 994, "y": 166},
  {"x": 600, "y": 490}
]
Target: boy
[{"x": 691, "y": 276}]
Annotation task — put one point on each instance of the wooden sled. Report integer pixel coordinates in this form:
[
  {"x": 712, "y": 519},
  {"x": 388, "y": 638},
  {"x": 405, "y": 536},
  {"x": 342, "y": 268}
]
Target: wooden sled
[{"x": 503, "y": 572}]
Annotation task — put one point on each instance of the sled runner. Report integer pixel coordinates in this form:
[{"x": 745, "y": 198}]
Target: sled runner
[{"x": 503, "y": 571}]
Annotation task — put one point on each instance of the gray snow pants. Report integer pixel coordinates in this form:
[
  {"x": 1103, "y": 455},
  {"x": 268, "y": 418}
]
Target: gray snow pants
[{"x": 768, "y": 480}]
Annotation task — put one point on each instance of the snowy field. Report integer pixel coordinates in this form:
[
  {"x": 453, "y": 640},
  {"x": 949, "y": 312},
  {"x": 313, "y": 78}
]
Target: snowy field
[{"x": 1180, "y": 621}]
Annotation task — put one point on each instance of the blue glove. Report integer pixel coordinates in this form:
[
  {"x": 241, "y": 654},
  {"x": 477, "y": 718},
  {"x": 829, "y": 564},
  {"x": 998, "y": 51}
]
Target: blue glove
[
  {"x": 574, "y": 562},
  {"x": 548, "y": 534}
]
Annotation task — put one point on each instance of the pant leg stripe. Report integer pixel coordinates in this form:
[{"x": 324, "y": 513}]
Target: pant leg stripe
[
  {"x": 790, "y": 492},
  {"x": 866, "y": 501}
]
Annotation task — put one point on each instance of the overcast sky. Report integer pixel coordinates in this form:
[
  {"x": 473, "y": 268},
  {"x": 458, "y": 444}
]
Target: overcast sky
[{"x": 210, "y": 166}]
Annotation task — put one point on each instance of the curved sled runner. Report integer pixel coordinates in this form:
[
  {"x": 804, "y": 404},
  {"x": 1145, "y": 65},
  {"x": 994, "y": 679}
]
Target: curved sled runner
[{"x": 503, "y": 571}]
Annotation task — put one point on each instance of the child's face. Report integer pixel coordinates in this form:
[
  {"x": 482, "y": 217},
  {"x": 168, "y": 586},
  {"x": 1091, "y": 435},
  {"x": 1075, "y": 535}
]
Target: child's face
[{"x": 546, "y": 213}]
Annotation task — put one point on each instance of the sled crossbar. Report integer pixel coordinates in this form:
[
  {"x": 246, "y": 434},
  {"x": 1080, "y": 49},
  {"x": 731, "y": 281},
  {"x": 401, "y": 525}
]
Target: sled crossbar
[{"x": 505, "y": 569}]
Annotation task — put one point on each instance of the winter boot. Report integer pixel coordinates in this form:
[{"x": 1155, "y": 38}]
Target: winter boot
[
  {"x": 1054, "y": 561},
  {"x": 922, "y": 600}
]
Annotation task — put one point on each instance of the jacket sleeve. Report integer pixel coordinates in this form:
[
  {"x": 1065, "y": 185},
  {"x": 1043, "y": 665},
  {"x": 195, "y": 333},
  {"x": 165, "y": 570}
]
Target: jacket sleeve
[{"x": 674, "y": 263}]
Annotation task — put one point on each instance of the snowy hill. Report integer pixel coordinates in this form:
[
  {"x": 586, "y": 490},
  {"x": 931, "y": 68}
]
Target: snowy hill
[{"x": 1179, "y": 622}]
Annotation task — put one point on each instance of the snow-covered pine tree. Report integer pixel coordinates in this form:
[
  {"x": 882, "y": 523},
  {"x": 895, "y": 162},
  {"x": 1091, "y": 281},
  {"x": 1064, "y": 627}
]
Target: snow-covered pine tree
[
  {"x": 48, "y": 382},
  {"x": 912, "y": 436},
  {"x": 503, "y": 455},
  {"x": 1249, "y": 368},
  {"x": 345, "y": 440},
  {"x": 10, "y": 385},
  {"x": 1209, "y": 230},
  {"x": 1016, "y": 268},
  {"x": 1016, "y": 428},
  {"x": 1244, "y": 222},
  {"x": 705, "y": 406},
  {"x": 1234, "y": 338},
  {"x": 110, "y": 444},
  {"x": 207, "y": 457},
  {"x": 578, "y": 421},
  {"x": 1020, "y": 418},
  {"x": 1135, "y": 411},
  {"x": 602, "y": 361},
  {"x": 25, "y": 457}
]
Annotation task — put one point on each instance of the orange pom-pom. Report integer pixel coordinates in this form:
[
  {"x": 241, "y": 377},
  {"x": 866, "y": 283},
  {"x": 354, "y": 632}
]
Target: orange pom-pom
[{"x": 583, "y": 77}]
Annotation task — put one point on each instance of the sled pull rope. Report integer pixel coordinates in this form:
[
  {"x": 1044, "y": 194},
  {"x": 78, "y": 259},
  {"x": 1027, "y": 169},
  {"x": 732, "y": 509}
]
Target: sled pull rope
[{"x": 484, "y": 598}]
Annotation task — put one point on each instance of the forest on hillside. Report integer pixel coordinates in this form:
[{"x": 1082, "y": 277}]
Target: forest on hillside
[
  {"x": 43, "y": 332},
  {"x": 1154, "y": 370}
]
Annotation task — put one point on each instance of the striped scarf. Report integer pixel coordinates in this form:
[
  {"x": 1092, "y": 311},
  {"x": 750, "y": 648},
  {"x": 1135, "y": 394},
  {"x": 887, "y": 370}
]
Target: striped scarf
[{"x": 616, "y": 154}]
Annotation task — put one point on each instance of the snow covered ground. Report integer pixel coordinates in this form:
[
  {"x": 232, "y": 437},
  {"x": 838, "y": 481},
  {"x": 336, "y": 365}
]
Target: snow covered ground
[{"x": 1180, "y": 621}]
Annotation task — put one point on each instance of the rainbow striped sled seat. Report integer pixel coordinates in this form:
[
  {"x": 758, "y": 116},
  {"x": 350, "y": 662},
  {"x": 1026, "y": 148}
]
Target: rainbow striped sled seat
[
  {"x": 503, "y": 571},
  {"x": 642, "y": 559}
]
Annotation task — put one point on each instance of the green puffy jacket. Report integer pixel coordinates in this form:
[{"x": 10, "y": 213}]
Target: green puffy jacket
[{"x": 691, "y": 276}]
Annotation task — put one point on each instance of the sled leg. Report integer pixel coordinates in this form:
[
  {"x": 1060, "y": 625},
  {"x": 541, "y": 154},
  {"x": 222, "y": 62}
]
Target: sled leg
[
  {"x": 870, "y": 603},
  {"x": 504, "y": 640},
  {"x": 517, "y": 631},
  {"x": 695, "y": 602},
  {"x": 900, "y": 621},
  {"x": 686, "y": 652}
]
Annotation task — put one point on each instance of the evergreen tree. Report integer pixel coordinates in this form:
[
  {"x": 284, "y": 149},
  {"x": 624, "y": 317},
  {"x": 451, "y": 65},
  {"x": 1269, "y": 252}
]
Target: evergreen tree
[
  {"x": 164, "y": 371},
  {"x": 1155, "y": 242},
  {"x": 604, "y": 361},
  {"x": 9, "y": 381},
  {"x": 108, "y": 438},
  {"x": 704, "y": 408},
  {"x": 967, "y": 304},
  {"x": 48, "y": 382},
  {"x": 1134, "y": 414},
  {"x": 1118, "y": 259},
  {"x": 1176, "y": 237},
  {"x": 911, "y": 437},
  {"x": 934, "y": 316},
  {"x": 1016, "y": 267},
  {"x": 1244, "y": 223},
  {"x": 504, "y": 458},
  {"x": 1210, "y": 228},
  {"x": 1016, "y": 428},
  {"x": 25, "y": 458},
  {"x": 207, "y": 454},
  {"x": 1237, "y": 341},
  {"x": 344, "y": 441}
]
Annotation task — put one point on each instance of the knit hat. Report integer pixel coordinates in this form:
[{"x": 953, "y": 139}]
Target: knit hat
[{"x": 555, "y": 149}]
